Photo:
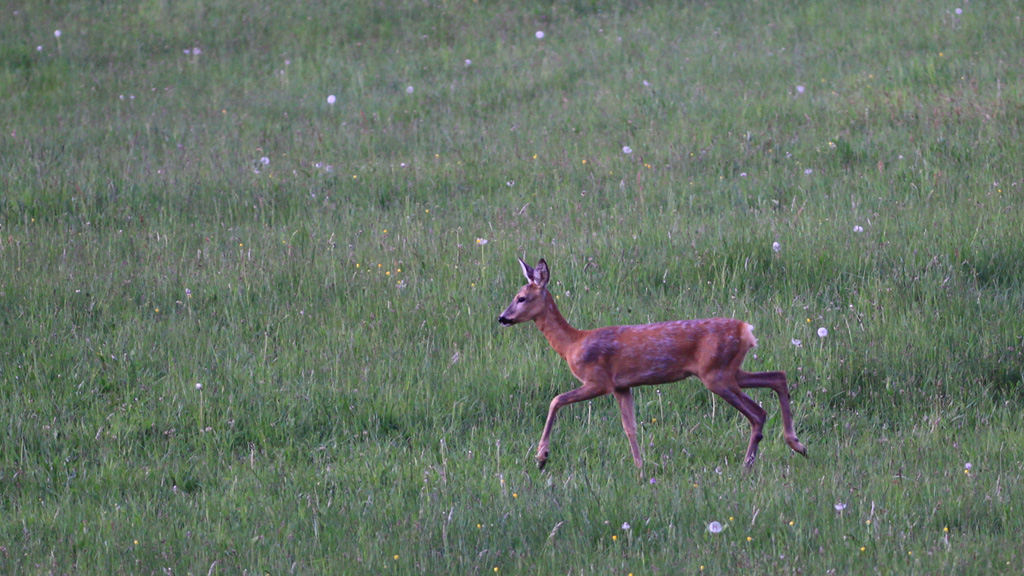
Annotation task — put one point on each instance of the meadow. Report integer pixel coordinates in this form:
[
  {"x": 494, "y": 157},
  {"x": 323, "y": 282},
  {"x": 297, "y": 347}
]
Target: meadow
[{"x": 252, "y": 256}]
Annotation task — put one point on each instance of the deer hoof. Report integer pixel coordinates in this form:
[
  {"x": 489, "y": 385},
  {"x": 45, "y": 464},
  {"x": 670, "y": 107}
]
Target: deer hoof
[
  {"x": 797, "y": 447},
  {"x": 542, "y": 460}
]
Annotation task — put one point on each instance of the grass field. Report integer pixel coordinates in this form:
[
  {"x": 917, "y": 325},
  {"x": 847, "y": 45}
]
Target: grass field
[{"x": 252, "y": 256}]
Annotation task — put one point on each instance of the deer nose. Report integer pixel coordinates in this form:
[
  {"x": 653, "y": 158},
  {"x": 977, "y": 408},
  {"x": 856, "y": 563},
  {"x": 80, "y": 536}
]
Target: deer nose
[{"x": 504, "y": 321}]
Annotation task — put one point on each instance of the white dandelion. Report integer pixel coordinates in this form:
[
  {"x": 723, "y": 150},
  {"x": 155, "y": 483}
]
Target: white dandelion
[
  {"x": 539, "y": 34},
  {"x": 776, "y": 247},
  {"x": 822, "y": 332},
  {"x": 331, "y": 99},
  {"x": 715, "y": 527},
  {"x": 627, "y": 150}
]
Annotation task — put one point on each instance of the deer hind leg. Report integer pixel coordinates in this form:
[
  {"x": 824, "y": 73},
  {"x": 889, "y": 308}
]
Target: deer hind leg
[
  {"x": 585, "y": 392},
  {"x": 777, "y": 382},
  {"x": 628, "y": 410},
  {"x": 728, "y": 389}
]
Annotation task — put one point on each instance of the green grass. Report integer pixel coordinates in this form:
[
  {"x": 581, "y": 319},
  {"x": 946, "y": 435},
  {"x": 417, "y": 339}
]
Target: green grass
[{"x": 361, "y": 411}]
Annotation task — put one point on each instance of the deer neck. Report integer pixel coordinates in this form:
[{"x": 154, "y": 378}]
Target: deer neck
[{"x": 555, "y": 328}]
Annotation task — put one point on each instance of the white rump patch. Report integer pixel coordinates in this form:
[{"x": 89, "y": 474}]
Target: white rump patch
[{"x": 747, "y": 333}]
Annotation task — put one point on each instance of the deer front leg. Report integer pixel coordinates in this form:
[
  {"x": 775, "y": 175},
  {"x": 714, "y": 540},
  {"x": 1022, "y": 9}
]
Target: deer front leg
[
  {"x": 628, "y": 410},
  {"x": 585, "y": 392},
  {"x": 729, "y": 390}
]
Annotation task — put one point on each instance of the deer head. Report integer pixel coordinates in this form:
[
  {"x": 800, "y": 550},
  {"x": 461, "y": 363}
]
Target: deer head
[{"x": 529, "y": 302}]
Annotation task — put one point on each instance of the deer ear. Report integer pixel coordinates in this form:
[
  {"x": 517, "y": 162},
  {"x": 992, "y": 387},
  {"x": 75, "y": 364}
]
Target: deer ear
[
  {"x": 541, "y": 275},
  {"x": 527, "y": 271}
]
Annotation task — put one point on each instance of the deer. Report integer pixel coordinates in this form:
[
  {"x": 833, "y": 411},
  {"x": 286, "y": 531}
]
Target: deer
[{"x": 615, "y": 359}]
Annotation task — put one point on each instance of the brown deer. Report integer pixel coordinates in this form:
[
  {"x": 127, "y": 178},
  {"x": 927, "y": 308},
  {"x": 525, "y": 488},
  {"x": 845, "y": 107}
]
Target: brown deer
[{"x": 614, "y": 359}]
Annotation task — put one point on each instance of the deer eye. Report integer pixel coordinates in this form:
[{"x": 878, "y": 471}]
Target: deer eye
[{"x": 521, "y": 299}]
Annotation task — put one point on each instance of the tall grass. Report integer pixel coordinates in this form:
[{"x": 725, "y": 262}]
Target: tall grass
[{"x": 244, "y": 330}]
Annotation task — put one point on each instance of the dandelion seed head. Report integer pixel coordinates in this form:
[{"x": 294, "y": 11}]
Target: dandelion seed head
[
  {"x": 809, "y": 171},
  {"x": 715, "y": 527},
  {"x": 822, "y": 332},
  {"x": 839, "y": 506},
  {"x": 331, "y": 99},
  {"x": 57, "y": 33},
  {"x": 958, "y": 11},
  {"x": 539, "y": 34},
  {"x": 800, "y": 89},
  {"x": 797, "y": 343},
  {"x": 626, "y": 526},
  {"x": 858, "y": 229},
  {"x": 199, "y": 385},
  {"x": 410, "y": 90},
  {"x": 627, "y": 150},
  {"x": 265, "y": 161},
  {"x": 468, "y": 62},
  {"x": 776, "y": 247}
]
